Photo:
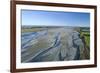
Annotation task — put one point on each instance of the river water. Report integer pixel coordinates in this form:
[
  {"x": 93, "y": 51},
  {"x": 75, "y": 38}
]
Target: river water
[{"x": 57, "y": 44}]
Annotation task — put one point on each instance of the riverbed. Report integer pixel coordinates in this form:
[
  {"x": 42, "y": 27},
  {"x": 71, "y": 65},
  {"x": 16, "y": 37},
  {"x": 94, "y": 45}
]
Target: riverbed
[{"x": 51, "y": 44}]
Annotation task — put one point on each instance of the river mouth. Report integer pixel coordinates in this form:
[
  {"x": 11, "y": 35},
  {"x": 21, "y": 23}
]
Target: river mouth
[{"x": 51, "y": 44}]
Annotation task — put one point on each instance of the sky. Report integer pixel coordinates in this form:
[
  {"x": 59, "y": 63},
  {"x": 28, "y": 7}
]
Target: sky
[{"x": 53, "y": 18}]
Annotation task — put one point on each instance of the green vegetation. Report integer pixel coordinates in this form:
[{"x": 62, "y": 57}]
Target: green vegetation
[
  {"x": 85, "y": 35},
  {"x": 87, "y": 40}
]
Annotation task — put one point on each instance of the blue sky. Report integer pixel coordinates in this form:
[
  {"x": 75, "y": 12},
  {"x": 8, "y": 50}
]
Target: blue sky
[{"x": 53, "y": 18}]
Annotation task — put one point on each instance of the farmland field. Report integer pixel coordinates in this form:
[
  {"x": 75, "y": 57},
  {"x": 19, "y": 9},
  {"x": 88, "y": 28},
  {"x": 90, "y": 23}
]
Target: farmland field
[{"x": 40, "y": 44}]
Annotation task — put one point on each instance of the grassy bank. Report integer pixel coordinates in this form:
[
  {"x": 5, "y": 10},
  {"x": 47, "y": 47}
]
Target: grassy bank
[{"x": 85, "y": 35}]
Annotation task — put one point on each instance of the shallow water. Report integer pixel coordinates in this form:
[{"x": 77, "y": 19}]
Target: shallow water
[{"x": 57, "y": 45}]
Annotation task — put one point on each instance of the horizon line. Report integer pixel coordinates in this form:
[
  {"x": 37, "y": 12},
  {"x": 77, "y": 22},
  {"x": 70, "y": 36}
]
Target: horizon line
[{"x": 53, "y": 26}]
